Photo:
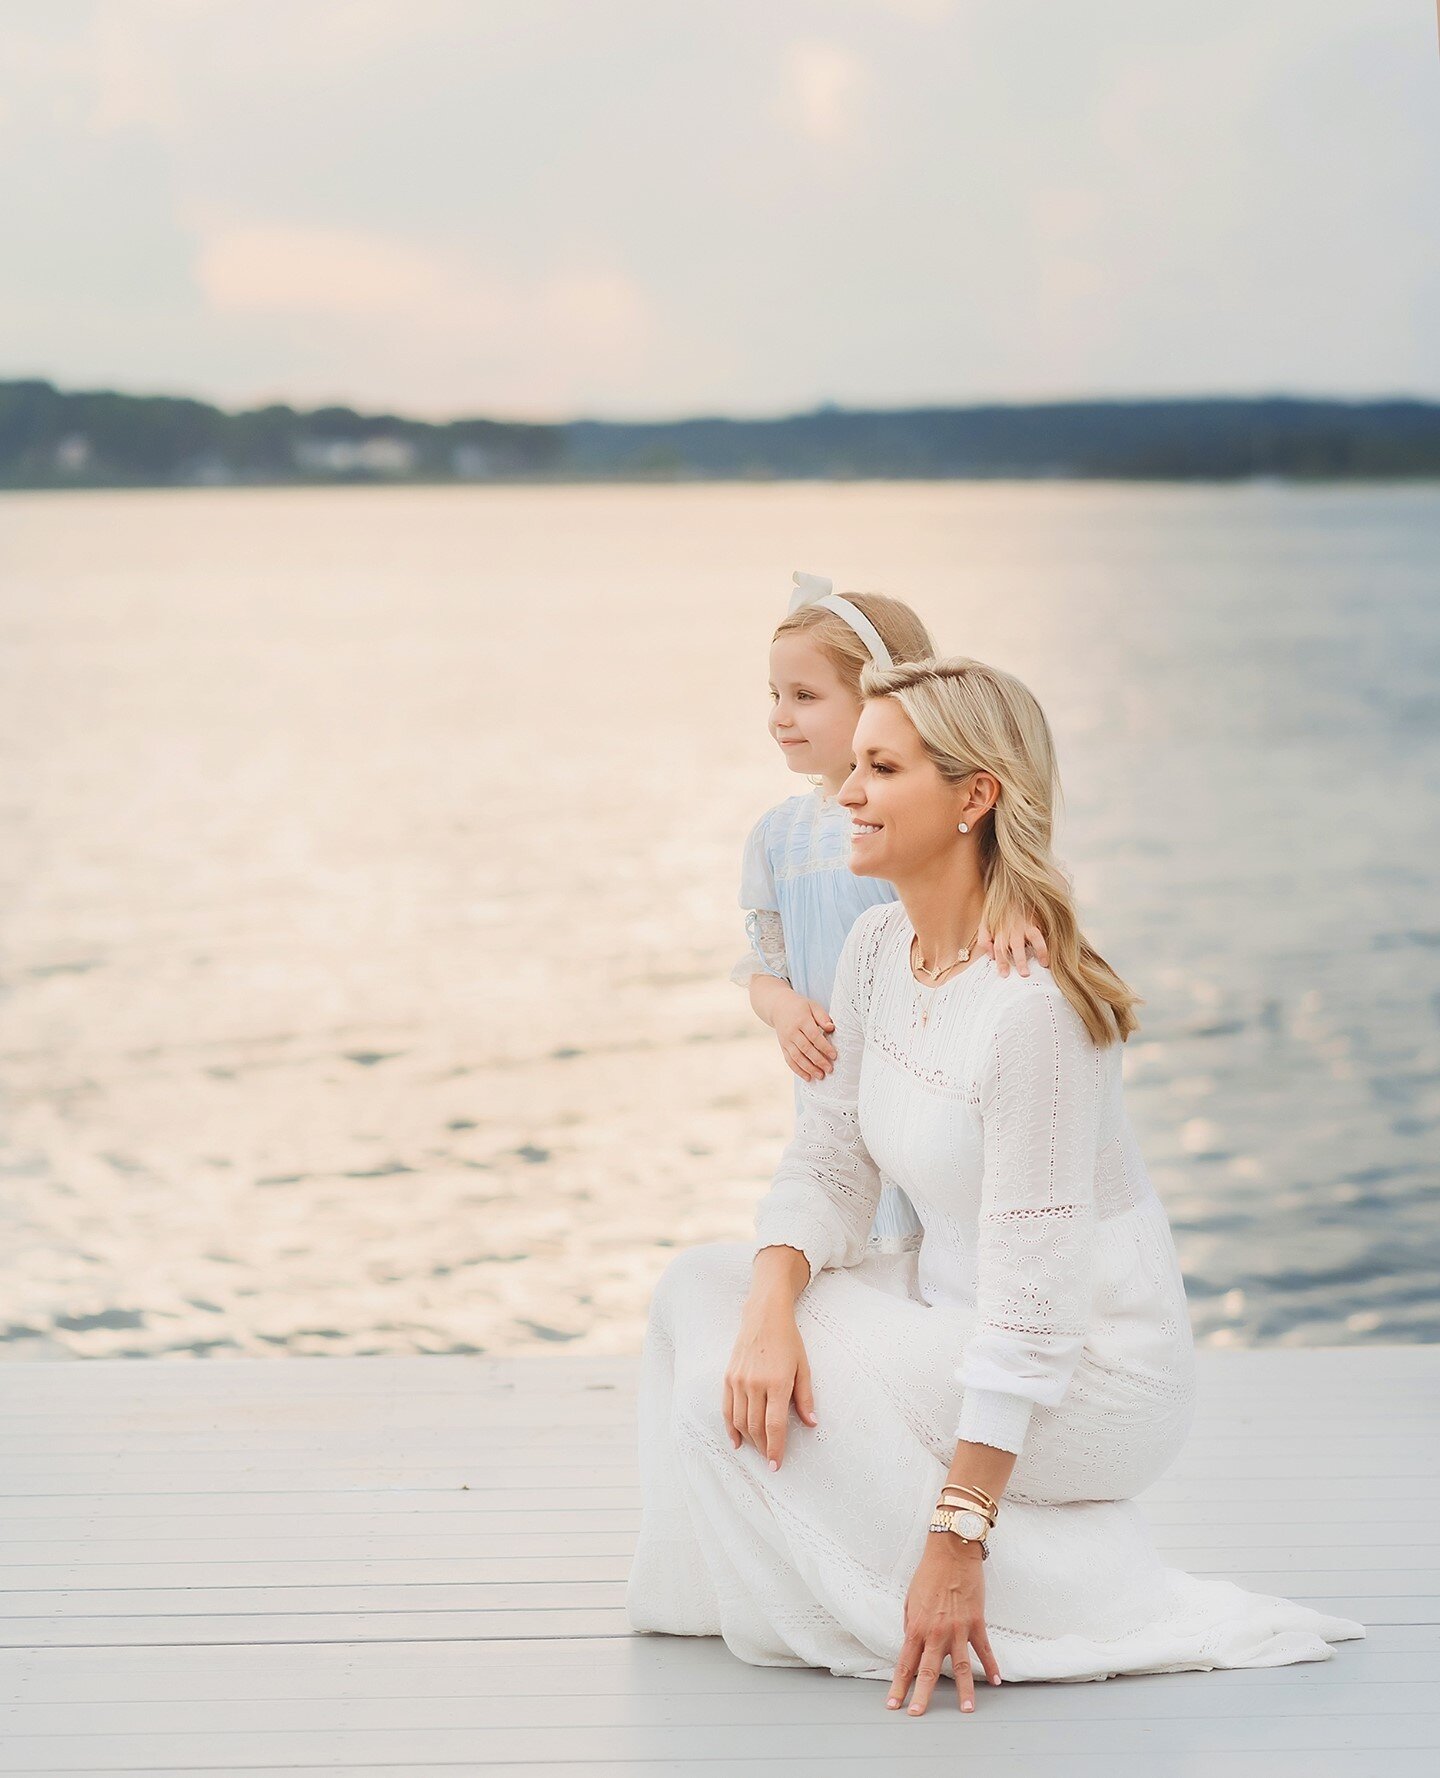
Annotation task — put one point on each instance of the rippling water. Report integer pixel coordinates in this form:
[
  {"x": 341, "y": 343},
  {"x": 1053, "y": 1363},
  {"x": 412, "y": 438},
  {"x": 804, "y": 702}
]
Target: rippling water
[{"x": 369, "y": 866}]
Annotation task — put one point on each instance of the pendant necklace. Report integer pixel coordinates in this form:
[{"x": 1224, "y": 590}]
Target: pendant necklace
[{"x": 943, "y": 969}]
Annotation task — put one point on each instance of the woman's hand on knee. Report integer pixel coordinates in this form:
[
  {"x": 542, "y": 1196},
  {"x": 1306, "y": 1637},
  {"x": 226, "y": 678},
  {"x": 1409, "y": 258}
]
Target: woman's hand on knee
[{"x": 767, "y": 1369}]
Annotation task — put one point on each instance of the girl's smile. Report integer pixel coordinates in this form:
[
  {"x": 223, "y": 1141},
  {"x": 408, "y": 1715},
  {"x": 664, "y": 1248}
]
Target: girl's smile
[{"x": 806, "y": 685}]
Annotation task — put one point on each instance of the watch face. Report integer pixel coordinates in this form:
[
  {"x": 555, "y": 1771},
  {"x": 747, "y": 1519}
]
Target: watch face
[{"x": 970, "y": 1524}]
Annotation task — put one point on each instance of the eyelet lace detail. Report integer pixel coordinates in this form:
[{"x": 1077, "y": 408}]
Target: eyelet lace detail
[
  {"x": 926, "y": 1433},
  {"x": 767, "y": 947}
]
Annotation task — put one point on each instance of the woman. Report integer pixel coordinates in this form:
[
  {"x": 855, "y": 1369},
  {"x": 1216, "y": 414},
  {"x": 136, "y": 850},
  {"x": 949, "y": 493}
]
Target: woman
[{"x": 1034, "y": 1355}]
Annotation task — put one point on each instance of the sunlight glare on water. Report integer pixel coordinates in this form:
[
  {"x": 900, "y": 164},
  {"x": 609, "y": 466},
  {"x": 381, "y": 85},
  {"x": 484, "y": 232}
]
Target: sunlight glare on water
[{"x": 369, "y": 889}]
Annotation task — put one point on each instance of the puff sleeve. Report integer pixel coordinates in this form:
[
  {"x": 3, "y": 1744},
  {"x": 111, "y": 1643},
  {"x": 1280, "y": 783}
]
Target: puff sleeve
[
  {"x": 1040, "y": 1095},
  {"x": 826, "y": 1186}
]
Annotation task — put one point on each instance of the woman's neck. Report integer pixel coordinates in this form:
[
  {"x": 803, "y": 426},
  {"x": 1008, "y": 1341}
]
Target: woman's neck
[{"x": 945, "y": 909}]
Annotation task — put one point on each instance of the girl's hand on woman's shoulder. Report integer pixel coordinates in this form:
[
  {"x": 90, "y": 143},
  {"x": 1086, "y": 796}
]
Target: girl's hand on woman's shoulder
[
  {"x": 801, "y": 1027},
  {"x": 1011, "y": 946}
]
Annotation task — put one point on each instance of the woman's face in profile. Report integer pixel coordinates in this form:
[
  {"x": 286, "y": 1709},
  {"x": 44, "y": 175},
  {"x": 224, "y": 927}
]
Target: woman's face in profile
[{"x": 899, "y": 805}]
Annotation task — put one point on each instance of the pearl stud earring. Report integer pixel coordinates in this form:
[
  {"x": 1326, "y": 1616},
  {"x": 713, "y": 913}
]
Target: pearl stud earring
[{"x": 964, "y": 827}]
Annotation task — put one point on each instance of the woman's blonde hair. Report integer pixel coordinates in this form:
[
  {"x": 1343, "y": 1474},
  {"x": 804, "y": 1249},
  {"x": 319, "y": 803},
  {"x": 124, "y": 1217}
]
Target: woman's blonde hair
[
  {"x": 974, "y": 718},
  {"x": 900, "y": 630}
]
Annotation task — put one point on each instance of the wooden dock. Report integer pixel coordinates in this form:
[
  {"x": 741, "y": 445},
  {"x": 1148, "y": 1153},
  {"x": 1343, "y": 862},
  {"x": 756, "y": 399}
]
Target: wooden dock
[{"x": 372, "y": 1566}]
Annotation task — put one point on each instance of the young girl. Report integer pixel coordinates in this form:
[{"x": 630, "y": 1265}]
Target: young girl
[{"x": 796, "y": 886}]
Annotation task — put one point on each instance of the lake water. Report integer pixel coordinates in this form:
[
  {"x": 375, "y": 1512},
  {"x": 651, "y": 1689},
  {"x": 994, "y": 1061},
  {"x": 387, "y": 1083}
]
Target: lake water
[{"x": 368, "y": 889}]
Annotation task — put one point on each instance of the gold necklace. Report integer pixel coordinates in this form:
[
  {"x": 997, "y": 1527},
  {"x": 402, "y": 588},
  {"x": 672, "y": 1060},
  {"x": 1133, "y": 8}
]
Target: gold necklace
[{"x": 964, "y": 957}]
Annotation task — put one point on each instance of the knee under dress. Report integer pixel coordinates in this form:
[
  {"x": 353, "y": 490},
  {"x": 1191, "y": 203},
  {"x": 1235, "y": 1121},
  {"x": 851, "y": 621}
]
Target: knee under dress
[{"x": 1041, "y": 1311}]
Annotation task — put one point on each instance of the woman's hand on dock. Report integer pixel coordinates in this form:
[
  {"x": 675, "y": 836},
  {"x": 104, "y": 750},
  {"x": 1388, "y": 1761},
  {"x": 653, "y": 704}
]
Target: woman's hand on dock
[
  {"x": 944, "y": 1615},
  {"x": 767, "y": 1369},
  {"x": 802, "y": 1027}
]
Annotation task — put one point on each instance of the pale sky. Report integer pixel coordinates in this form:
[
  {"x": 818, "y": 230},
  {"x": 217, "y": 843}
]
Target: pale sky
[{"x": 549, "y": 208}]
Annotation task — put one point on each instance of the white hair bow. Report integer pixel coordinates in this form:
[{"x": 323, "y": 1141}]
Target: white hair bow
[
  {"x": 814, "y": 589},
  {"x": 809, "y": 588}
]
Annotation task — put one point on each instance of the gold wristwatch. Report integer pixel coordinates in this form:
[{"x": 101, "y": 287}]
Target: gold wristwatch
[{"x": 967, "y": 1523}]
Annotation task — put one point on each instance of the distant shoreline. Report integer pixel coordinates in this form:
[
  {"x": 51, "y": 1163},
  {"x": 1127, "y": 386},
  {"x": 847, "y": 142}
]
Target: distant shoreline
[
  {"x": 416, "y": 484},
  {"x": 100, "y": 439}
]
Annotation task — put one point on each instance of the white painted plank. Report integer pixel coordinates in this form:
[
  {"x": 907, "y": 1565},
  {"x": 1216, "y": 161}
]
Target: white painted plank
[
  {"x": 525, "y": 1591},
  {"x": 1134, "y": 1699},
  {"x": 548, "y": 1622},
  {"x": 345, "y": 1531},
  {"x": 304, "y": 1628},
  {"x": 1152, "y": 1764},
  {"x": 374, "y": 1488},
  {"x": 303, "y": 1575},
  {"x": 318, "y": 1560},
  {"x": 305, "y": 1426},
  {"x": 301, "y": 1580},
  {"x": 262, "y": 1468},
  {"x": 238, "y": 1602},
  {"x": 162, "y": 1631},
  {"x": 210, "y": 1386},
  {"x": 988, "y": 1731},
  {"x": 578, "y": 1557},
  {"x": 353, "y": 1523},
  {"x": 398, "y": 1503},
  {"x": 256, "y": 1537},
  {"x": 1393, "y": 1461},
  {"x": 552, "y": 1505},
  {"x": 310, "y": 1424},
  {"x": 1250, "y": 1365},
  {"x": 665, "y": 1666},
  {"x": 390, "y": 1706}
]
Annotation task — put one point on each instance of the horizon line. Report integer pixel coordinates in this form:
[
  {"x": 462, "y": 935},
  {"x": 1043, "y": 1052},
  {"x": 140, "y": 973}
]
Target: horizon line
[{"x": 769, "y": 417}]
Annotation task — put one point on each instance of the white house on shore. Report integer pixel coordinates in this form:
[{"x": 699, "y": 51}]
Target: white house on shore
[{"x": 379, "y": 455}]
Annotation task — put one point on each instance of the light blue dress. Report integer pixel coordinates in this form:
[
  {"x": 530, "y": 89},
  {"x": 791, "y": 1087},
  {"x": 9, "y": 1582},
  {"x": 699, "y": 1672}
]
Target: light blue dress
[{"x": 801, "y": 898}]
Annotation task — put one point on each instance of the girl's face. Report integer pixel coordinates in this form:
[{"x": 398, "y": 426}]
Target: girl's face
[
  {"x": 903, "y": 813},
  {"x": 812, "y": 711}
]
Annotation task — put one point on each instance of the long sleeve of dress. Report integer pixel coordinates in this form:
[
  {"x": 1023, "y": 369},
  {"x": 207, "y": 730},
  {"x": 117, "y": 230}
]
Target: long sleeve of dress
[
  {"x": 1040, "y": 1097},
  {"x": 823, "y": 1195},
  {"x": 762, "y": 911}
]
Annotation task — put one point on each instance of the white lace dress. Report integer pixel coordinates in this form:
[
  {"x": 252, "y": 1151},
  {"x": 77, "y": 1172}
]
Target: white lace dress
[{"x": 1043, "y": 1313}]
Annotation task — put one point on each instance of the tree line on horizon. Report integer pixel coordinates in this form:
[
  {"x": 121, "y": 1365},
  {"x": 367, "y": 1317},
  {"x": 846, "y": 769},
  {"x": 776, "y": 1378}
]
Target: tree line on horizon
[{"x": 51, "y": 438}]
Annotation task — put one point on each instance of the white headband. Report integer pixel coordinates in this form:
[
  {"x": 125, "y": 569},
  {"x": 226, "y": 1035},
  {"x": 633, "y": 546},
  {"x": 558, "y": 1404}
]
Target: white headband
[{"x": 814, "y": 589}]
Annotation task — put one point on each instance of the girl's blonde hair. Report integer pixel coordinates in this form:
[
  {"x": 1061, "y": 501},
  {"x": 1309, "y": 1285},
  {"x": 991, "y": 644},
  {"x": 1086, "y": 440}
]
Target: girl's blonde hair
[
  {"x": 900, "y": 630},
  {"x": 972, "y": 718}
]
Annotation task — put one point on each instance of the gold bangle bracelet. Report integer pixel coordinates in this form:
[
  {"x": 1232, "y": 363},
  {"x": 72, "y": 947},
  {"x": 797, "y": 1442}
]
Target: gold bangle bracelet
[
  {"x": 986, "y": 1506},
  {"x": 971, "y": 1488},
  {"x": 977, "y": 1496}
]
